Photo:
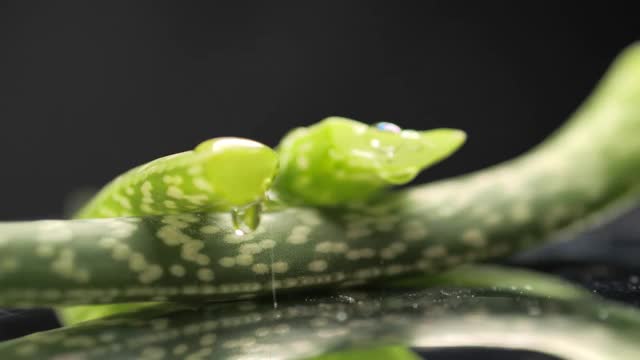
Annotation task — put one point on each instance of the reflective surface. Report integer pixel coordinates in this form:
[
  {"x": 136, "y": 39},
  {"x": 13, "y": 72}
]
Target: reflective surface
[{"x": 305, "y": 325}]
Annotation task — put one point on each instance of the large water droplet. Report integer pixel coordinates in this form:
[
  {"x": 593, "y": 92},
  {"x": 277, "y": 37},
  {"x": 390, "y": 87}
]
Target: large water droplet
[
  {"x": 246, "y": 219},
  {"x": 252, "y": 214}
]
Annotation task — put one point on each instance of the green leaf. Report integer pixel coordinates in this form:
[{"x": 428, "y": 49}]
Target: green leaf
[
  {"x": 499, "y": 278},
  {"x": 345, "y": 323},
  {"x": 221, "y": 174}
]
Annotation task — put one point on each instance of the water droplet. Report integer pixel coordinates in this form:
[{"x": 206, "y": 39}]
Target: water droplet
[
  {"x": 388, "y": 127},
  {"x": 341, "y": 316},
  {"x": 246, "y": 219},
  {"x": 236, "y": 220},
  {"x": 252, "y": 214}
]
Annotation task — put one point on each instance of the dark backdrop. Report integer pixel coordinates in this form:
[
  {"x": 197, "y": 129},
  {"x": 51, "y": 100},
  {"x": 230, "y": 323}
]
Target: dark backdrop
[{"x": 89, "y": 89}]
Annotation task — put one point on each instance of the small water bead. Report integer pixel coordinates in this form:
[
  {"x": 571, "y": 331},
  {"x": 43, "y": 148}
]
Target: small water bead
[{"x": 388, "y": 127}]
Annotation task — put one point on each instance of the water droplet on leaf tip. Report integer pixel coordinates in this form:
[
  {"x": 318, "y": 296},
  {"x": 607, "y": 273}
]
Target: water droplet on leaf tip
[{"x": 388, "y": 127}]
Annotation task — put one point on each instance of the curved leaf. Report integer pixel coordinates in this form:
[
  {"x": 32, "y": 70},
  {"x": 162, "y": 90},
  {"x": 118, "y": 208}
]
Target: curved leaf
[{"x": 305, "y": 326}]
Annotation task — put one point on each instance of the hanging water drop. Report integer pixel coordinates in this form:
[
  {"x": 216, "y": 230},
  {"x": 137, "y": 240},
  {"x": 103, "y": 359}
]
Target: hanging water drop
[
  {"x": 236, "y": 220},
  {"x": 252, "y": 214},
  {"x": 246, "y": 219}
]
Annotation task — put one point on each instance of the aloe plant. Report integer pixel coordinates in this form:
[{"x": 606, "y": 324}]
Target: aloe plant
[
  {"x": 351, "y": 324},
  {"x": 583, "y": 174}
]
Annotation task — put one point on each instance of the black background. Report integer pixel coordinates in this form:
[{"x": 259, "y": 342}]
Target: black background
[{"x": 89, "y": 89}]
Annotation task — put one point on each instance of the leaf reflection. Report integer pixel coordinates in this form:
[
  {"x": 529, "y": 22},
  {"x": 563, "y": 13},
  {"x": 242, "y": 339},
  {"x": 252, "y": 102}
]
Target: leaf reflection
[{"x": 306, "y": 325}]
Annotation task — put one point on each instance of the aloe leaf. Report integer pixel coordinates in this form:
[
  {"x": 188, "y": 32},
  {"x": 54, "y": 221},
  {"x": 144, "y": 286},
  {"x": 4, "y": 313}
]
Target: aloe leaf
[
  {"x": 498, "y": 278},
  {"x": 345, "y": 323}
]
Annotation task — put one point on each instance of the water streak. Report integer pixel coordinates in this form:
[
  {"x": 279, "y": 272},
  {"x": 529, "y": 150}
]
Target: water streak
[{"x": 273, "y": 283}]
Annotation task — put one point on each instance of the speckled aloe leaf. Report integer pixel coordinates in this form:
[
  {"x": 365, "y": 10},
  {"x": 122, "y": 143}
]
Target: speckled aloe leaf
[
  {"x": 223, "y": 174},
  {"x": 348, "y": 323}
]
